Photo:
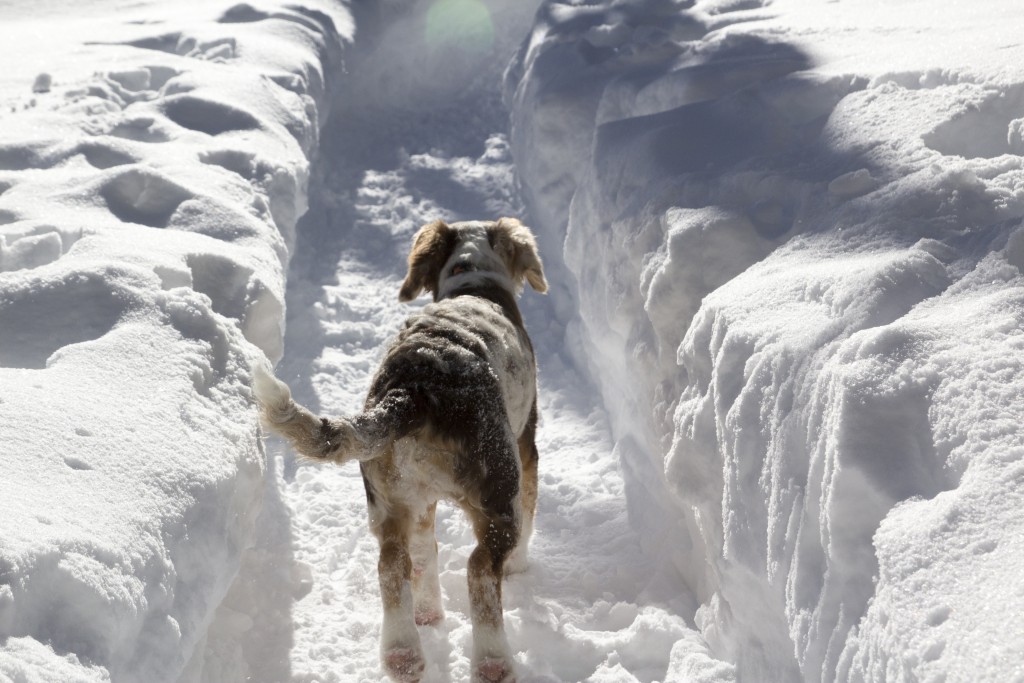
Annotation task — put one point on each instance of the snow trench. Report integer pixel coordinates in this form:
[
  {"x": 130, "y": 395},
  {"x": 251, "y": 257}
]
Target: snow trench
[{"x": 416, "y": 134}]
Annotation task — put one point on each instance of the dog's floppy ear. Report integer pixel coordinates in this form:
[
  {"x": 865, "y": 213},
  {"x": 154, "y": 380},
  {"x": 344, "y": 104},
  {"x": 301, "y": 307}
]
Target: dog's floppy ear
[
  {"x": 430, "y": 249},
  {"x": 515, "y": 244}
]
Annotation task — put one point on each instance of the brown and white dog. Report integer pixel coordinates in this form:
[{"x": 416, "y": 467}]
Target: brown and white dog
[{"x": 451, "y": 413}]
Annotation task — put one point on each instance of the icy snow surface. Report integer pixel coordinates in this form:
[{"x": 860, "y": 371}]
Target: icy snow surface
[{"x": 780, "y": 364}]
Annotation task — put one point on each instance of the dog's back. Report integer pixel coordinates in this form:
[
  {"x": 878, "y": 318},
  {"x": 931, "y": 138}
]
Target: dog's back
[{"x": 461, "y": 373}]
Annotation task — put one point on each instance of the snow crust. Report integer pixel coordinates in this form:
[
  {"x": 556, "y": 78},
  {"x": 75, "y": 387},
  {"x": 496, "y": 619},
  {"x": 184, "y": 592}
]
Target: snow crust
[{"x": 794, "y": 230}]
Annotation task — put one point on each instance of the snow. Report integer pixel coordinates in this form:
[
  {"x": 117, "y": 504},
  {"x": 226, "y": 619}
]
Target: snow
[
  {"x": 147, "y": 207},
  {"x": 780, "y": 359},
  {"x": 794, "y": 238}
]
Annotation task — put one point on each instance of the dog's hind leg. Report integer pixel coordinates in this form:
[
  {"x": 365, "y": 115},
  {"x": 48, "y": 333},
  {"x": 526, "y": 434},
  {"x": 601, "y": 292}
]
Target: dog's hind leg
[
  {"x": 401, "y": 654},
  {"x": 496, "y": 525},
  {"x": 426, "y": 585}
]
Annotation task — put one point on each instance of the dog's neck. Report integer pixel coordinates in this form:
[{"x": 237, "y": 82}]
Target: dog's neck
[{"x": 493, "y": 291}]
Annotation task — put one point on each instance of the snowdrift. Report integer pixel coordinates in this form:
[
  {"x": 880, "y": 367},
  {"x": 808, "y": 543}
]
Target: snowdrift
[
  {"x": 795, "y": 230},
  {"x": 151, "y": 174}
]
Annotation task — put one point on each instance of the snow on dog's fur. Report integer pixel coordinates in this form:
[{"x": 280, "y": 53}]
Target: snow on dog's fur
[{"x": 451, "y": 413}]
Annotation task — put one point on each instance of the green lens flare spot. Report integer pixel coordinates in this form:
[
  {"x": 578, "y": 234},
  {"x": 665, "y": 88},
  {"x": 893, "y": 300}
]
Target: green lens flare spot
[{"x": 462, "y": 25}]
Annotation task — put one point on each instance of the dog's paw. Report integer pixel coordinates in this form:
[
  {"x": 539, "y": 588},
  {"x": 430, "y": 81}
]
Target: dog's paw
[
  {"x": 495, "y": 670},
  {"x": 404, "y": 664}
]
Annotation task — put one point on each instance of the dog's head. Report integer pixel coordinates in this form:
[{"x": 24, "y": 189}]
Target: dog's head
[{"x": 446, "y": 257}]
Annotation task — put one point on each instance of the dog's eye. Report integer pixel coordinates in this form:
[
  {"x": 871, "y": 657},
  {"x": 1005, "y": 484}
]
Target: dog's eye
[{"x": 461, "y": 267}]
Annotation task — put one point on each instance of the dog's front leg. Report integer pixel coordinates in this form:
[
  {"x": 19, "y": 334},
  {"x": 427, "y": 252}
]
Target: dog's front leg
[
  {"x": 516, "y": 561},
  {"x": 401, "y": 654}
]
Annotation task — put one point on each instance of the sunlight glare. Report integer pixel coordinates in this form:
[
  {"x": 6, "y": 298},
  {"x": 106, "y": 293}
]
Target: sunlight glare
[{"x": 462, "y": 25}]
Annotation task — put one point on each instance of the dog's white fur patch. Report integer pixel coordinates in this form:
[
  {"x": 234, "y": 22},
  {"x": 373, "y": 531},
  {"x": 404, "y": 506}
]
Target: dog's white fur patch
[{"x": 273, "y": 395}]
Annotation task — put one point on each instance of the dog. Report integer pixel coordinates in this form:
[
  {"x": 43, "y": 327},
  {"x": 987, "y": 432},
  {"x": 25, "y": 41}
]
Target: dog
[{"x": 450, "y": 414}]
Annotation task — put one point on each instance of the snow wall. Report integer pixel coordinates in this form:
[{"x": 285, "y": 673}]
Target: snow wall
[
  {"x": 150, "y": 182},
  {"x": 795, "y": 236}
]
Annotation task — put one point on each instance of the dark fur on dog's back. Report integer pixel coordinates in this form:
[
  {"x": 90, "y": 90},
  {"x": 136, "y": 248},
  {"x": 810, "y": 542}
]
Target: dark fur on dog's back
[
  {"x": 451, "y": 413},
  {"x": 438, "y": 385}
]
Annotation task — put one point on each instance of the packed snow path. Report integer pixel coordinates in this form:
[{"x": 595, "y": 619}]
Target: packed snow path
[{"x": 589, "y": 607}]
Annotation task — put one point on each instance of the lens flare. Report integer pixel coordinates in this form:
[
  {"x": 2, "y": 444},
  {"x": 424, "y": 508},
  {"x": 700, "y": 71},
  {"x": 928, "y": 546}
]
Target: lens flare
[{"x": 460, "y": 25}]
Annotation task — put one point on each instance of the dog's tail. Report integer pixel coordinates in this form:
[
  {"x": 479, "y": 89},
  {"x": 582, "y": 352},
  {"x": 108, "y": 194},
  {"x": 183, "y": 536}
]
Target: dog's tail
[{"x": 313, "y": 437}]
